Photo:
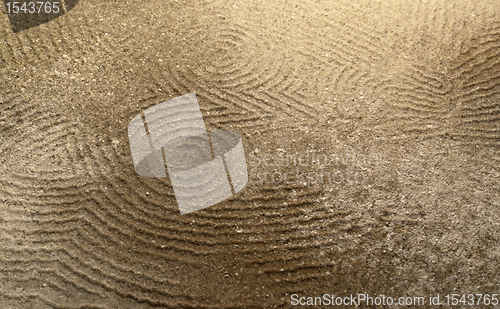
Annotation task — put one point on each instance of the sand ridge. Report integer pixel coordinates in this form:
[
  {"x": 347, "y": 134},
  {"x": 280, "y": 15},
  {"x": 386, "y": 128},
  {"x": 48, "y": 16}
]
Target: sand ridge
[{"x": 415, "y": 82}]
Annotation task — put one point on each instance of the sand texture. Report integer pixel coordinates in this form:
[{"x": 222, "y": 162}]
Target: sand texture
[{"x": 413, "y": 87}]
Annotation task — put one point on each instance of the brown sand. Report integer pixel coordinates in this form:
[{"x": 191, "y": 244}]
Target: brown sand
[{"x": 417, "y": 83}]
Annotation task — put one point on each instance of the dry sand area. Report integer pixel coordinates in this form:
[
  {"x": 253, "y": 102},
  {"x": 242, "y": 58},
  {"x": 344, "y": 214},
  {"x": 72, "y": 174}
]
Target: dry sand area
[{"x": 413, "y": 87}]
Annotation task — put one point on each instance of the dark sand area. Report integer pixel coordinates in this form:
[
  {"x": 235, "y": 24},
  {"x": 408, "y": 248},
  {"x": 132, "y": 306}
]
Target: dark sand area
[{"x": 405, "y": 93}]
